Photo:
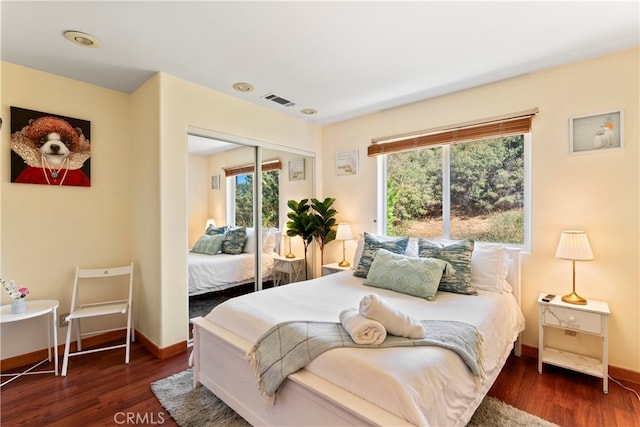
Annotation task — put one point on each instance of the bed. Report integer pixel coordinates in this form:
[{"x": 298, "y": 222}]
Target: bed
[
  {"x": 210, "y": 273},
  {"x": 358, "y": 386},
  {"x": 219, "y": 271}
]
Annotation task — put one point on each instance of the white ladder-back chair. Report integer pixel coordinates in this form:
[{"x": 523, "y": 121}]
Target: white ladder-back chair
[{"x": 88, "y": 281}]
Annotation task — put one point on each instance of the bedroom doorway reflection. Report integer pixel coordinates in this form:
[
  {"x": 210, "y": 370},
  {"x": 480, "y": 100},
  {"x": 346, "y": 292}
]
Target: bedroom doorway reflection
[{"x": 222, "y": 198}]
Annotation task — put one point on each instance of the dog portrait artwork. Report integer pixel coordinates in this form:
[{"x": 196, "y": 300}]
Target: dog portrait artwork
[{"x": 49, "y": 149}]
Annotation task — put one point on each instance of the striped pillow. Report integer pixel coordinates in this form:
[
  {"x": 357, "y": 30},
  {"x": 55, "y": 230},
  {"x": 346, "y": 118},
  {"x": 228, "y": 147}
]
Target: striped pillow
[
  {"x": 458, "y": 254},
  {"x": 372, "y": 243},
  {"x": 234, "y": 240},
  {"x": 212, "y": 230}
]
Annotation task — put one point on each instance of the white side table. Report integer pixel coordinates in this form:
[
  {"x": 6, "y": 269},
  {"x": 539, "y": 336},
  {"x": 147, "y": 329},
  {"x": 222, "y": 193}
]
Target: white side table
[
  {"x": 35, "y": 308},
  {"x": 592, "y": 318},
  {"x": 333, "y": 268},
  {"x": 293, "y": 268}
]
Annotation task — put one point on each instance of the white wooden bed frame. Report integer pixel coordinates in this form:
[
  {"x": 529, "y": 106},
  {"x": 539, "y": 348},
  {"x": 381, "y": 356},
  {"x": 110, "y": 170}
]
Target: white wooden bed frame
[{"x": 303, "y": 399}]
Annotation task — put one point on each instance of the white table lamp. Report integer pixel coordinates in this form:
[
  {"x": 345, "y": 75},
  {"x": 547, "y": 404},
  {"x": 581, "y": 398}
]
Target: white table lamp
[
  {"x": 343, "y": 233},
  {"x": 574, "y": 245}
]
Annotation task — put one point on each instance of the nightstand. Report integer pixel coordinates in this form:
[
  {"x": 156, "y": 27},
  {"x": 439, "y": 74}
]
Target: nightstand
[
  {"x": 333, "y": 268},
  {"x": 592, "y": 319},
  {"x": 293, "y": 268}
]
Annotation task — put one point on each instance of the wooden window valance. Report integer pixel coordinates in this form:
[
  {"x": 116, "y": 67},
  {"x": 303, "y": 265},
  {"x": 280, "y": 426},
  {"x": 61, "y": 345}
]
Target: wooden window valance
[
  {"x": 239, "y": 170},
  {"x": 512, "y": 124}
]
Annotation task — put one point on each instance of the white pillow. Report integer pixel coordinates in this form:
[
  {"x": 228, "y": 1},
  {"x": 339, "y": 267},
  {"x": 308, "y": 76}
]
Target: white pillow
[
  {"x": 277, "y": 234},
  {"x": 250, "y": 243},
  {"x": 268, "y": 240},
  {"x": 358, "y": 254},
  {"x": 412, "y": 248},
  {"x": 489, "y": 267}
]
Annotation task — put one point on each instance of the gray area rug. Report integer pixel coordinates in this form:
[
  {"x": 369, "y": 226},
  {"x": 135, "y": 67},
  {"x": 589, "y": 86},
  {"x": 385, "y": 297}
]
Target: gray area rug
[
  {"x": 200, "y": 306},
  {"x": 187, "y": 407}
]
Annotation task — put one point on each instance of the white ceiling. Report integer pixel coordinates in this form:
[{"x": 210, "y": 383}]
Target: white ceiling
[
  {"x": 201, "y": 146},
  {"x": 345, "y": 59}
]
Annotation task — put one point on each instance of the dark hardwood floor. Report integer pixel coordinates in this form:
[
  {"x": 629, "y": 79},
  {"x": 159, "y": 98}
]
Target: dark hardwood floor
[
  {"x": 100, "y": 390},
  {"x": 565, "y": 397}
]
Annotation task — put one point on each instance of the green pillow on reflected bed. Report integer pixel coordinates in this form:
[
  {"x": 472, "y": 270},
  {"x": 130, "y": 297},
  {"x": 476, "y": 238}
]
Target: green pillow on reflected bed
[{"x": 208, "y": 245}]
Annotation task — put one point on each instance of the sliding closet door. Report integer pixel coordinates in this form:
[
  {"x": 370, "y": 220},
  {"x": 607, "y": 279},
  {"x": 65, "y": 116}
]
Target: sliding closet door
[{"x": 249, "y": 186}]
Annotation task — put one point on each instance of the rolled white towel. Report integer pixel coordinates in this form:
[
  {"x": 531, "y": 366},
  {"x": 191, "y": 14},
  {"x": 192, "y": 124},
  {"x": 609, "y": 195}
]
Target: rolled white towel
[
  {"x": 394, "y": 320},
  {"x": 361, "y": 329}
]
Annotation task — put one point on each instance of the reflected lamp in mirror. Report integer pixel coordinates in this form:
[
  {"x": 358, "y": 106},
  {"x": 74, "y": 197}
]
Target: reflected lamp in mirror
[
  {"x": 574, "y": 246},
  {"x": 210, "y": 223},
  {"x": 290, "y": 254},
  {"x": 343, "y": 233}
]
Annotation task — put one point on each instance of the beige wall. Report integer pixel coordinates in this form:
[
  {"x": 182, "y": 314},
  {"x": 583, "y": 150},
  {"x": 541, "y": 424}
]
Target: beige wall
[
  {"x": 596, "y": 192},
  {"x": 47, "y": 231},
  {"x": 146, "y": 209},
  {"x": 198, "y": 196}
]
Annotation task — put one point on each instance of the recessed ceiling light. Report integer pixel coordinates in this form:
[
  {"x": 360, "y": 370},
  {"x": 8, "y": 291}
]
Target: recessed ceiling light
[
  {"x": 309, "y": 111},
  {"x": 82, "y": 39},
  {"x": 243, "y": 87}
]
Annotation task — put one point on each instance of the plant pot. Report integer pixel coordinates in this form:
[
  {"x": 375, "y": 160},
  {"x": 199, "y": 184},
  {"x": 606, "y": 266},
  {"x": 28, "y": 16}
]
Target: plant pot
[{"x": 18, "y": 306}]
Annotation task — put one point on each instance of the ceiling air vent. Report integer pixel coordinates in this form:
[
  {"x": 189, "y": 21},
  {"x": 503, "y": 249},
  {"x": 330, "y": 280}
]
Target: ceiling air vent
[{"x": 279, "y": 100}]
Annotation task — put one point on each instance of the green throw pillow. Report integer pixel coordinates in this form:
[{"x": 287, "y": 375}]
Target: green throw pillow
[
  {"x": 418, "y": 277},
  {"x": 371, "y": 245},
  {"x": 209, "y": 245},
  {"x": 458, "y": 254}
]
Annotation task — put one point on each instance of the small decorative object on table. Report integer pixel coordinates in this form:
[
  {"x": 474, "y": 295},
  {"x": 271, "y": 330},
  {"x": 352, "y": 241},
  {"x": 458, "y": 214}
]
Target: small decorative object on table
[{"x": 19, "y": 304}]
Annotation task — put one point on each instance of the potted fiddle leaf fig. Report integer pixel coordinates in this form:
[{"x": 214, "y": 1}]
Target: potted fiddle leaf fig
[
  {"x": 324, "y": 223},
  {"x": 301, "y": 223}
]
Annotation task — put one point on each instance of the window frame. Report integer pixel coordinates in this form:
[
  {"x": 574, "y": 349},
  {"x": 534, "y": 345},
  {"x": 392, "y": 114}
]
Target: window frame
[
  {"x": 231, "y": 193},
  {"x": 446, "y": 185}
]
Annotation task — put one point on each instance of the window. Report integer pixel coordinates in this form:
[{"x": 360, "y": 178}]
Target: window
[
  {"x": 475, "y": 188},
  {"x": 243, "y": 199}
]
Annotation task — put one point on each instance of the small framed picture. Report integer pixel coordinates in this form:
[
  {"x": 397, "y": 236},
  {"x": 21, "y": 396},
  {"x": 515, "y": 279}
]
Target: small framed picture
[
  {"x": 596, "y": 132},
  {"x": 296, "y": 170},
  {"x": 347, "y": 163},
  {"x": 215, "y": 182}
]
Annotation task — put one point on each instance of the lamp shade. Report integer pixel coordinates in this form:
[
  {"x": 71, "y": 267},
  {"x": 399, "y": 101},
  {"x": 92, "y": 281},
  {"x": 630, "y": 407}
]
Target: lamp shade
[
  {"x": 210, "y": 222},
  {"x": 574, "y": 245},
  {"x": 344, "y": 232}
]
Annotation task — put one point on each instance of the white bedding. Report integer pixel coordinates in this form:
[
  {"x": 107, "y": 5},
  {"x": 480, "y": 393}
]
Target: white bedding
[
  {"x": 425, "y": 385},
  {"x": 209, "y": 273}
]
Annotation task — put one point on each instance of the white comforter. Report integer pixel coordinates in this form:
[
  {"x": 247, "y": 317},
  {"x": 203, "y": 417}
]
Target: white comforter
[
  {"x": 208, "y": 273},
  {"x": 424, "y": 385}
]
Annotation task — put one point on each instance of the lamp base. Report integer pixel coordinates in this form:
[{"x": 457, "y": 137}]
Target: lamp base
[
  {"x": 290, "y": 255},
  {"x": 344, "y": 263},
  {"x": 574, "y": 298}
]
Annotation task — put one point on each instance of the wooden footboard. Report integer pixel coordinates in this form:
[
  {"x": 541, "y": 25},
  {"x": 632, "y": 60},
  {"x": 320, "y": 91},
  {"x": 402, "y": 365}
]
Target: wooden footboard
[{"x": 303, "y": 399}]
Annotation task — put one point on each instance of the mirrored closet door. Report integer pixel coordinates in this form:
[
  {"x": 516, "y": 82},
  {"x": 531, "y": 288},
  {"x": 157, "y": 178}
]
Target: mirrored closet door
[{"x": 226, "y": 199}]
